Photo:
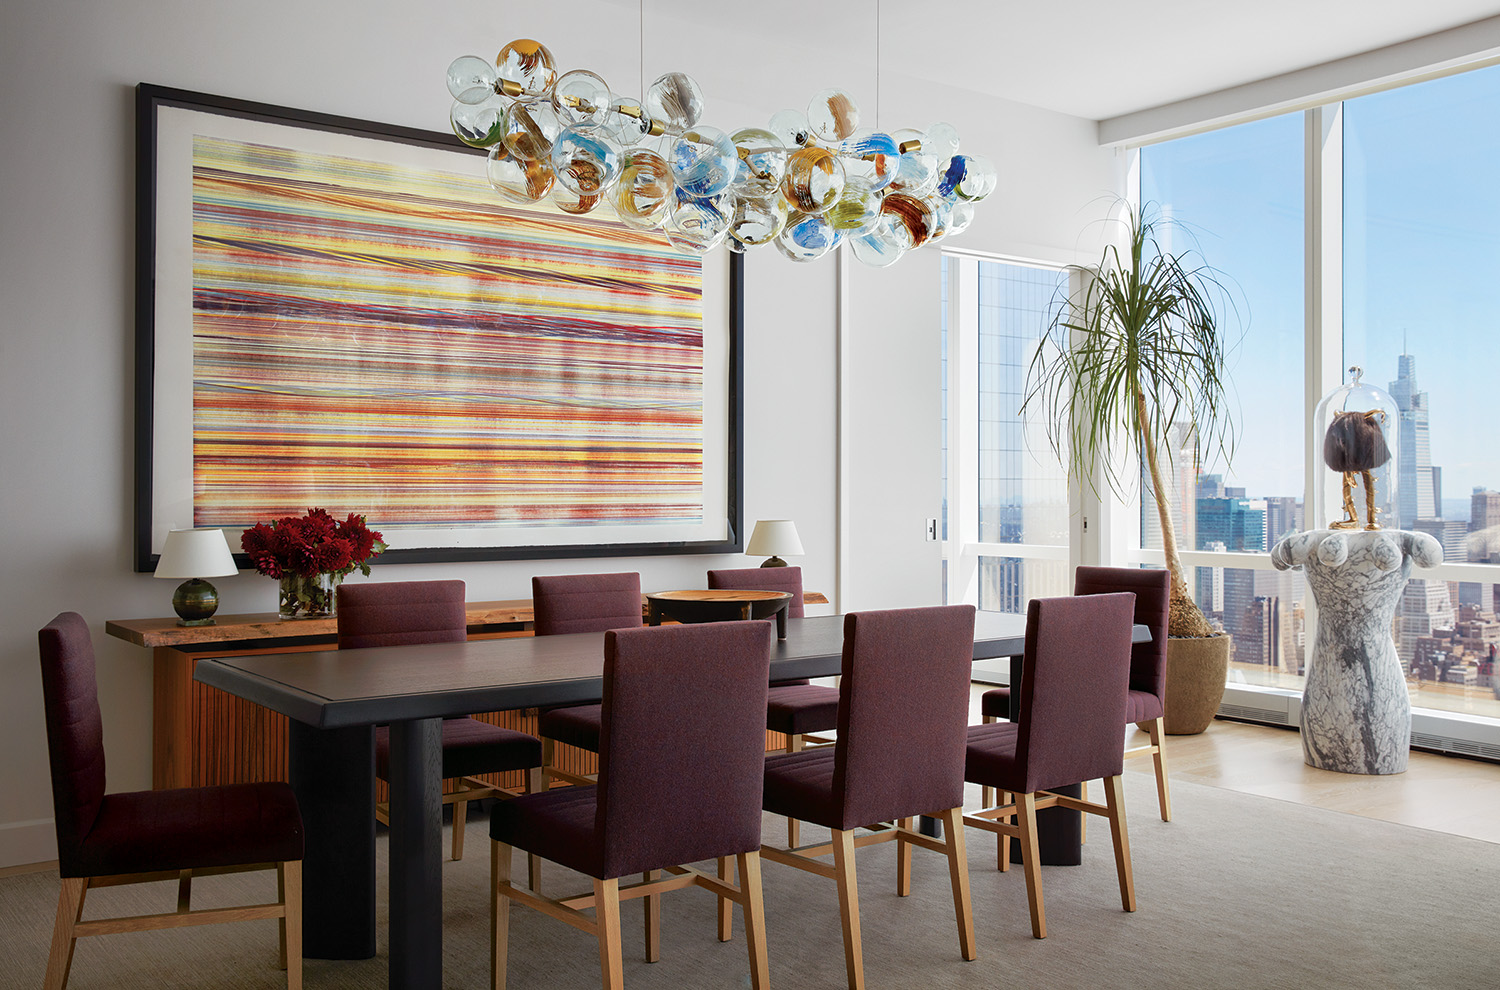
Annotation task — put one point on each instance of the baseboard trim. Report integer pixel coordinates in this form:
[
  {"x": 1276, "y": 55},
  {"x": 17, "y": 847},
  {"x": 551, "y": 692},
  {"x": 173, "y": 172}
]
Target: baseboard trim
[{"x": 27, "y": 843}]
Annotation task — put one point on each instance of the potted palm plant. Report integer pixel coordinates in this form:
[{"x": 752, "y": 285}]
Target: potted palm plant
[{"x": 1134, "y": 355}]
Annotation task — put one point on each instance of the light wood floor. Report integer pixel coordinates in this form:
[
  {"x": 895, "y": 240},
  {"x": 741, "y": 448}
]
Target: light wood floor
[{"x": 1449, "y": 794}]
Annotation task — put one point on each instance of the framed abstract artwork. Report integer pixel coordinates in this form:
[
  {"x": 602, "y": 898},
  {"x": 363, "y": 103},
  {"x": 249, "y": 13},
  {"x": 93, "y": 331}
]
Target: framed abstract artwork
[{"x": 341, "y": 314}]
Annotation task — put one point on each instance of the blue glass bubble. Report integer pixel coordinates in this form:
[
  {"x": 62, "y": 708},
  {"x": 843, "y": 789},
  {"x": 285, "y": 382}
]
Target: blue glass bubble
[
  {"x": 704, "y": 162},
  {"x": 585, "y": 161},
  {"x": 807, "y": 237},
  {"x": 872, "y": 156}
]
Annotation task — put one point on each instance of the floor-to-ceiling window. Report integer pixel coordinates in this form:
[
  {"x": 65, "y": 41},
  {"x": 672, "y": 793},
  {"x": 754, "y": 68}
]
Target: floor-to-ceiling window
[
  {"x": 1005, "y": 523},
  {"x": 1234, "y": 198}
]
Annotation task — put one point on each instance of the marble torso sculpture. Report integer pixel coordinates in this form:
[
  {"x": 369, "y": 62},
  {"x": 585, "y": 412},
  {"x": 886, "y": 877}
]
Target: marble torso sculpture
[{"x": 1356, "y": 713}]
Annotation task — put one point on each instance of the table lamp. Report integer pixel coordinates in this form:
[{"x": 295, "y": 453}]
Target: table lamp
[
  {"x": 775, "y": 537},
  {"x": 195, "y": 554}
]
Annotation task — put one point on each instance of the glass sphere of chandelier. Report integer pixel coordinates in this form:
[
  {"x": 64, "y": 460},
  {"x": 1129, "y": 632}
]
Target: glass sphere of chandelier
[{"x": 806, "y": 182}]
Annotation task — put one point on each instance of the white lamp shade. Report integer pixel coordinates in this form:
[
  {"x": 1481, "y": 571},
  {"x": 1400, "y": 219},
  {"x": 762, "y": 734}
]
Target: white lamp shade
[
  {"x": 774, "y": 538},
  {"x": 195, "y": 553}
]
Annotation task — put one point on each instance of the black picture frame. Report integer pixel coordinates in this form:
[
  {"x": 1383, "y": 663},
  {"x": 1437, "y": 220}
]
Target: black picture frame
[{"x": 149, "y": 527}]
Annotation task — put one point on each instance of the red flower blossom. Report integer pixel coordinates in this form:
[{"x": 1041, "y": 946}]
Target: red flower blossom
[{"x": 315, "y": 543}]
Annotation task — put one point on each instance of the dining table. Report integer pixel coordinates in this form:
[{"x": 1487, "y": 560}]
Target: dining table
[{"x": 334, "y": 699}]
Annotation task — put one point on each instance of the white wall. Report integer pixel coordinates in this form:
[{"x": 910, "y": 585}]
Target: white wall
[{"x": 68, "y": 69}]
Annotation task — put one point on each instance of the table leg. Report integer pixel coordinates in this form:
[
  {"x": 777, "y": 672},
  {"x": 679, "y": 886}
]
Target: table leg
[
  {"x": 1059, "y": 830},
  {"x": 781, "y": 624},
  {"x": 416, "y": 854},
  {"x": 653, "y": 614},
  {"x": 333, "y": 774}
]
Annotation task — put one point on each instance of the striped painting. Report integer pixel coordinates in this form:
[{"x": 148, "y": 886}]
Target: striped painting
[{"x": 393, "y": 340}]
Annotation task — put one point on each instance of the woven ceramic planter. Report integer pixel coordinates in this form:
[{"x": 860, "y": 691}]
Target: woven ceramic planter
[{"x": 1196, "y": 671}]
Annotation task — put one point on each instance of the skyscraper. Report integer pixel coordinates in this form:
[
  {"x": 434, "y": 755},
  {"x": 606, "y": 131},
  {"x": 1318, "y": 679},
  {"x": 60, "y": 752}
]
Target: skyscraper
[{"x": 1416, "y": 489}]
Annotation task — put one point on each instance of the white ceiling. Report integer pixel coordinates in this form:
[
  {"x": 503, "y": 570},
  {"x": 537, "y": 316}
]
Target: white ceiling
[{"x": 1090, "y": 58}]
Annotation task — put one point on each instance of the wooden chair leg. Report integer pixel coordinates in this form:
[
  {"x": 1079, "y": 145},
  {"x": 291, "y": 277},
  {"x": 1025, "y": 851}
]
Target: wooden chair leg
[
  {"x": 184, "y": 891},
  {"x": 549, "y": 757},
  {"x": 843, "y": 864},
  {"x": 535, "y": 784},
  {"x": 499, "y": 913},
  {"x": 754, "y": 909},
  {"x": 958, "y": 875},
  {"x": 281, "y": 924},
  {"x": 903, "y": 861},
  {"x": 1114, "y": 799},
  {"x": 69, "y": 910},
  {"x": 794, "y": 744},
  {"x": 1031, "y": 862},
  {"x": 607, "y": 917},
  {"x": 1157, "y": 730},
  {"x": 726, "y": 906},
  {"x": 460, "y": 819},
  {"x": 289, "y": 885},
  {"x": 653, "y": 919},
  {"x": 1083, "y": 824},
  {"x": 1002, "y": 841}
]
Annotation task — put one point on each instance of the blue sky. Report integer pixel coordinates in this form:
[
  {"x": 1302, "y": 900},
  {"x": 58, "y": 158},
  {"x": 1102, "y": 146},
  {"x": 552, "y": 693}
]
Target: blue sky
[{"x": 1422, "y": 252}]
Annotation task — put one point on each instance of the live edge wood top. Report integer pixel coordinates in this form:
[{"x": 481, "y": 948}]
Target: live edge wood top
[
  {"x": 334, "y": 689},
  {"x": 164, "y": 631}
]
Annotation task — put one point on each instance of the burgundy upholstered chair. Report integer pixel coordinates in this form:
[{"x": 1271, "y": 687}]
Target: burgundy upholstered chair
[
  {"x": 681, "y": 752},
  {"x": 579, "y": 603},
  {"x": 105, "y": 840},
  {"x": 794, "y": 708},
  {"x": 1074, "y": 680},
  {"x": 903, "y": 714},
  {"x": 1148, "y": 664},
  {"x": 1148, "y": 661},
  {"x": 403, "y": 613}
]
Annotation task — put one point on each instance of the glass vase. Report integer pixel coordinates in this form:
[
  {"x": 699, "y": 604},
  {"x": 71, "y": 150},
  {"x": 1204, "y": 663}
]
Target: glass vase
[{"x": 304, "y": 597}]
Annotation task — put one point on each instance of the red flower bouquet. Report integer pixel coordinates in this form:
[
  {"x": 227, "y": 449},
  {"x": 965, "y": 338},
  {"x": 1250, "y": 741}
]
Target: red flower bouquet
[{"x": 309, "y": 555}]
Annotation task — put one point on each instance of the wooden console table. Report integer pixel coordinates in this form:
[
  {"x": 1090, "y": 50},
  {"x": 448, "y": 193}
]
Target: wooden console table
[{"x": 202, "y": 736}]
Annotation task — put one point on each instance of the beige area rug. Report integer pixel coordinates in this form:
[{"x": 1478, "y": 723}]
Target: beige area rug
[{"x": 1238, "y": 892}]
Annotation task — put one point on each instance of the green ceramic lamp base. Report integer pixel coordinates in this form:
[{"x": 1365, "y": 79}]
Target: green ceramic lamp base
[{"x": 195, "y": 603}]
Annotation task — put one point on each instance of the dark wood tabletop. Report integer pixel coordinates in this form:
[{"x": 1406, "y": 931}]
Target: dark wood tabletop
[{"x": 332, "y": 688}]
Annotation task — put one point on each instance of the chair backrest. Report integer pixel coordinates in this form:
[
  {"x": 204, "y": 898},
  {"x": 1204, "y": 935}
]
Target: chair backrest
[
  {"x": 577, "y": 603},
  {"x": 1153, "y": 594},
  {"x": 401, "y": 613},
  {"x": 1074, "y": 679},
  {"x": 903, "y": 713},
  {"x": 682, "y": 743},
  {"x": 75, "y": 732},
  {"x": 764, "y": 579}
]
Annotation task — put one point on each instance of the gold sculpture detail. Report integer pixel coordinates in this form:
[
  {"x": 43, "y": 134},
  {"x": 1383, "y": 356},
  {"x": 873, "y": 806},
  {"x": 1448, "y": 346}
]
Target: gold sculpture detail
[{"x": 1355, "y": 444}]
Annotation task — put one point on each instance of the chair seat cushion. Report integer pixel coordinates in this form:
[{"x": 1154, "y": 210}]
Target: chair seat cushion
[
  {"x": 470, "y": 747},
  {"x": 559, "y": 825},
  {"x": 1142, "y": 706},
  {"x": 191, "y": 828},
  {"x": 995, "y": 703},
  {"x": 577, "y": 726},
  {"x": 802, "y": 708},
  {"x": 991, "y": 757},
  {"x": 800, "y": 785}
]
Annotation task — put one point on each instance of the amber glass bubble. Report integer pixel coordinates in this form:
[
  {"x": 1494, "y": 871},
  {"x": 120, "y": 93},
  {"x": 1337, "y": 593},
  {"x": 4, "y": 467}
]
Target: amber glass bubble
[
  {"x": 571, "y": 202},
  {"x": 479, "y": 125},
  {"x": 872, "y": 156},
  {"x": 471, "y": 79},
  {"x": 643, "y": 192},
  {"x": 675, "y": 101},
  {"x": 531, "y": 127},
  {"x": 762, "y": 162},
  {"x": 832, "y": 115},
  {"x": 581, "y": 99},
  {"x": 814, "y": 179},
  {"x": 516, "y": 179},
  {"x": 585, "y": 161},
  {"x": 528, "y": 66},
  {"x": 910, "y": 214},
  {"x": 757, "y": 221}
]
